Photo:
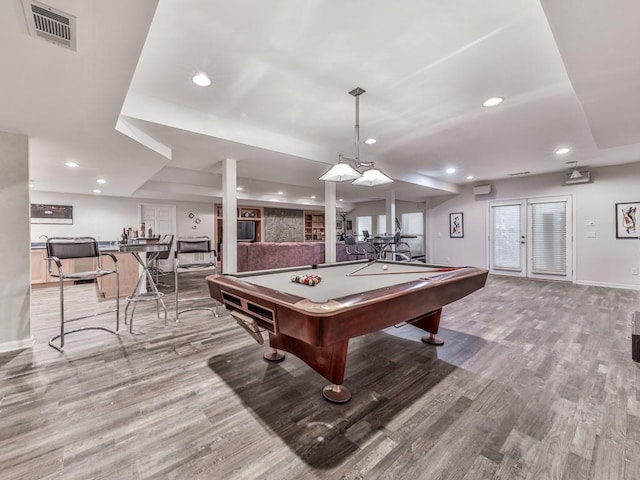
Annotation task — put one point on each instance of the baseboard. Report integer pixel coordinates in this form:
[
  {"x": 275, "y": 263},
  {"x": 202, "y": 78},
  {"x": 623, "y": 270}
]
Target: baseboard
[
  {"x": 625, "y": 286},
  {"x": 17, "y": 345}
]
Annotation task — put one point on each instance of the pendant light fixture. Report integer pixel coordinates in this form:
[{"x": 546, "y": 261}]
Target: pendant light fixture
[{"x": 347, "y": 169}]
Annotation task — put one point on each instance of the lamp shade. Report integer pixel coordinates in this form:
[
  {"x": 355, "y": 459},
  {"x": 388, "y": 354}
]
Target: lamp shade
[
  {"x": 371, "y": 178},
  {"x": 341, "y": 172}
]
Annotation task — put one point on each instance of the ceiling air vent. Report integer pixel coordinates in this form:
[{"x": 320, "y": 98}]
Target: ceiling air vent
[{"x": 50, "y": 24}]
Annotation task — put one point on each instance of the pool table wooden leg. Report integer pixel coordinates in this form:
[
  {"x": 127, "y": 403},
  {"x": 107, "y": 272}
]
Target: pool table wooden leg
[
  {"x": 430, "y": 323},
  {"x": 273, "y": 355},
  {"x": 329, "y": 361}
]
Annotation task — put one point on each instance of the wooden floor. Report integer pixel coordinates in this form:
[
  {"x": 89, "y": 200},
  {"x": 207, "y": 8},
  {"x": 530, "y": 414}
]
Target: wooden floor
[{"x": 535, "y": 381}]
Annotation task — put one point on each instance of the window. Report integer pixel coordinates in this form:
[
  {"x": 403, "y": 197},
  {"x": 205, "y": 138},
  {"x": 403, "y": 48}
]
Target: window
[
  {"x": 549, "y": 238},
  {"x": 362, "y": 224},
  {"x": 382, "y": 224},
  {"x": 413, "y": 228}
]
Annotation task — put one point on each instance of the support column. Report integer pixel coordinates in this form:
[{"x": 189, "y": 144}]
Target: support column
[
  {"x": 329, "y": 222},
  {"x": 427, "y": 240},
  {"x": 390, "y": 211},
  {"x": 15, "y": 274},
  {"x": 229, "y": 216}
]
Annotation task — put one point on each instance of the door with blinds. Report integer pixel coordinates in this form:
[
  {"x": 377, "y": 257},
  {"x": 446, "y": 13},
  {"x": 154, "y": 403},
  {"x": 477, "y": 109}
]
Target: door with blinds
[{"x": 532, "y": 238}]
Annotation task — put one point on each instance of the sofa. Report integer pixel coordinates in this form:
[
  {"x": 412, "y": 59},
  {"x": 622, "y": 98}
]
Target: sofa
[{"x": 267, "y": 255}]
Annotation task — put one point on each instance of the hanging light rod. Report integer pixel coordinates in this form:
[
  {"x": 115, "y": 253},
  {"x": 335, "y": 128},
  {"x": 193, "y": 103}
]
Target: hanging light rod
[{"x": 353, "y": 169}]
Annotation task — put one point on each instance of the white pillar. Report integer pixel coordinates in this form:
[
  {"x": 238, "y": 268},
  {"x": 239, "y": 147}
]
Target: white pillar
[
  {"x": 427, "y": 240},
  {"x": 229, "y": 217},
  {"x": 390, "y": 211},
  {"x": 329, "y": 222},
  {"x": 15, "y": 274}
]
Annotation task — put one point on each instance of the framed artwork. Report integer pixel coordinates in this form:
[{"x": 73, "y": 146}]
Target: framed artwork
[
  {"x": 41, "y": 213},
  {"x": 627, "y": 220},
  {"x": 456, "y": 225},
  {"x": 349, "y": 225}
]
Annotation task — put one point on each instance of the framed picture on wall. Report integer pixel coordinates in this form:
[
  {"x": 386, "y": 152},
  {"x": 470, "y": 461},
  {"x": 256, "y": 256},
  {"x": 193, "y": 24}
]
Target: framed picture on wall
[
  {"x": 349, "y": 225},
  {"x": 627, "y": 220},
  {"x": 456, "y": 225},
  {"x": 41, "y": 213}
]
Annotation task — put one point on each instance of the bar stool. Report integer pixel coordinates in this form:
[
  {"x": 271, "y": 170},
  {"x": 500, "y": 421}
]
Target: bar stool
[
  {"x": 193, "y": 254},
  {"x": 63, "y": 248}
]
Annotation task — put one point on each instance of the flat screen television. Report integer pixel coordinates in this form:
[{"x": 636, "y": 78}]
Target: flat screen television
[{"x": 246, "y": 231}]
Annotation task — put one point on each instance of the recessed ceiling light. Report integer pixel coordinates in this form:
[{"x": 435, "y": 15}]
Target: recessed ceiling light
[
  {"x": 96, "y": 190},
  {"x": 562, "y": 151},
  {"x": 470, "y": 177},
  {"x": 101, "y": 181},
  {"x": 493, "y": 101},
  {"x": 280, "y": 193},
  {"x": 313, "y": 196},
  {"x": 31, "y": 185},
  {"x": 239, "y": 189},
  {"x": 340, "y": 200},
  {"x": 72, "y": 164},
  {"x": 370, "y": 141},
  {"x": 450, "y": 170},
  {"x": 201, "y": 79}
]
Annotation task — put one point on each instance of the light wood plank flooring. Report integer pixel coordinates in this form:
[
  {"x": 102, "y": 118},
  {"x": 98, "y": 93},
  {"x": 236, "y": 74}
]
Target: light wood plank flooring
[{"x": 535, "y": 381}]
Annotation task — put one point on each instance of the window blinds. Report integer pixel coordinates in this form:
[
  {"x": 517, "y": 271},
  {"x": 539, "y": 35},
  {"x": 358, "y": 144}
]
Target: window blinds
[{"x": 549, "y": 238}]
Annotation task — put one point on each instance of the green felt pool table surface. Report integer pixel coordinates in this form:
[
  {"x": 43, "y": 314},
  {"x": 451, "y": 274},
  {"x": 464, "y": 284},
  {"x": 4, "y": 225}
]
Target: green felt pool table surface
[{"x": 345, "y": 278}]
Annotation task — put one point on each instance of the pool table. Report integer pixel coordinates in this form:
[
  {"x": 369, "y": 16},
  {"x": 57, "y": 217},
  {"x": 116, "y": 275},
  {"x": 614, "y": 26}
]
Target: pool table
[{"x": 315, "y": 323}]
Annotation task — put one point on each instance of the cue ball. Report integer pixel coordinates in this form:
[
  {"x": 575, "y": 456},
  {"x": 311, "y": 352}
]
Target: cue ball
[{"x": 384, "y": 267}]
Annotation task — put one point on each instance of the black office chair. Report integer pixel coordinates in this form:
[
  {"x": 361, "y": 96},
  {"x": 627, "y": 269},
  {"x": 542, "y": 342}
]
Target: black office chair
[
  {"x": 365, "y": 235},
  {"x": 62, "y": 248},
  {"x": 155, "y": 269},
  {"x": 358, "y": 250},
  {"x": 193, "y": 254}
]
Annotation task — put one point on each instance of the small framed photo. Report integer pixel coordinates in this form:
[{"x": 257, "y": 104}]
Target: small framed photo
[
  {"x": 191, "y": 215},
  {"x": 627, "y": 220},
  {"x": 197, "y": 220},
  {"x": 456, "y": 225}
]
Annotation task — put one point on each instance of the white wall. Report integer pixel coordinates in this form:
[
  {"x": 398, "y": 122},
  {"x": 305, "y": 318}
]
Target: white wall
[
  {"x": 104, "y": 217},
  {"x": 15, "y": 281},
  {"x": 603, "y": 260}
]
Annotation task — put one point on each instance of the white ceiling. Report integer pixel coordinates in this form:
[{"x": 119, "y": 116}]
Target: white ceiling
[{"x": 124, "y": 107}]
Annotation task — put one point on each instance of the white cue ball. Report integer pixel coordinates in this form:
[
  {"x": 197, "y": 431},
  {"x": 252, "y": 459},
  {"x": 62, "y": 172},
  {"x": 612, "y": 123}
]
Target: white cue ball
[{"x": 384, "y": 267}]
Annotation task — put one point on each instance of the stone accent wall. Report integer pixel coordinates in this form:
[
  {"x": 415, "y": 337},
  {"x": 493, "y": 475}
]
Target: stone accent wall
[{"x": 283, "y": 225}]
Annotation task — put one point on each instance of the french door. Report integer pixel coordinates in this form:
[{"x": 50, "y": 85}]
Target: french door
[{"x": 532, "y": 238}]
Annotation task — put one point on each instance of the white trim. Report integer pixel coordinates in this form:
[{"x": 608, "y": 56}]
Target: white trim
[
  {"x": 625, "y": 286},
  {"x": 17, "y": 345}
]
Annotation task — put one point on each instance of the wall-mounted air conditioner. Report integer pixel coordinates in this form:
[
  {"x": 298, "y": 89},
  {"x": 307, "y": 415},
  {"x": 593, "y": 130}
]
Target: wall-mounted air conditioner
[{"x": 482, "y": 189}]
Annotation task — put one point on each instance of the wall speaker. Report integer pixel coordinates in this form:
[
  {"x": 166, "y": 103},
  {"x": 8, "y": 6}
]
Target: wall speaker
[{"x": 481, "y": 189}]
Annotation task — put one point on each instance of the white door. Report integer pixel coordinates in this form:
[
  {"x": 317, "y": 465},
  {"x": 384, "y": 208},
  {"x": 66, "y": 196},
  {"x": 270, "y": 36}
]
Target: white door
[
  {"x": 507, "y": 241},
  {"x": 550, "y": 228},
  {"x": 532, "y": 237},
  {"x": 161, "y": 219}
]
